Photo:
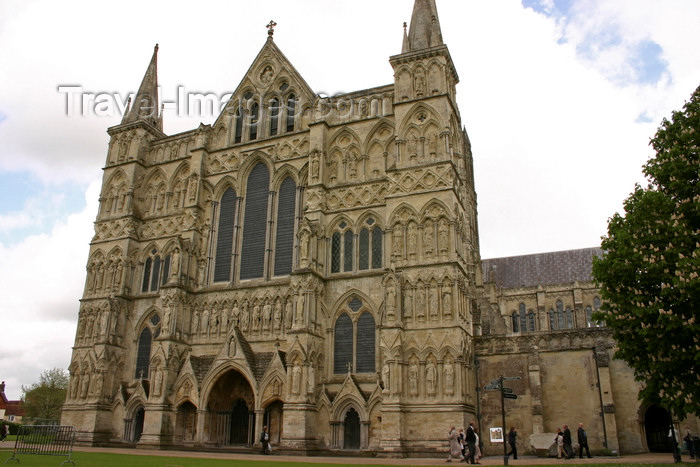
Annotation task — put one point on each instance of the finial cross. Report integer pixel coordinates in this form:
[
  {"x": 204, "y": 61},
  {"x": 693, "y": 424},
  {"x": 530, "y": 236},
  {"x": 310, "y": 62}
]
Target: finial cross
[{"x": 271, "y": 28}]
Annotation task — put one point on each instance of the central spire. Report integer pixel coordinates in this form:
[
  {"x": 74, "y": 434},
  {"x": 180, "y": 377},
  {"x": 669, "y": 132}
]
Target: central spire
[{"x": 425, "y": 27}]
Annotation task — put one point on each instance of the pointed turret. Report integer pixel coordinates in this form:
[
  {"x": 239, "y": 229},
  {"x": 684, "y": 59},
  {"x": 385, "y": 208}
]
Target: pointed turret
[
  {"x": 145, "y": 107},
  {"x": 425, "y": 26}
]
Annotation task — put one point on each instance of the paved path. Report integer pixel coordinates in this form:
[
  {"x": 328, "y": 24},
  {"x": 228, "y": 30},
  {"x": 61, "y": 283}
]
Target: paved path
[{"x": 640, "y": 459}]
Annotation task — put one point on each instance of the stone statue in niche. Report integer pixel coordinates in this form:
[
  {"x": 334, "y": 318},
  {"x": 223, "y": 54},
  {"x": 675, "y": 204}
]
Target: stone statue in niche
[
  {"x": 447, "y": 302},
  {"x": 315, "y": 166},
  {"x": 231, "y": 351},
  {"x": 419, "y": 83},
  {"x": 432, "y": 146},
  {"x": 276, "y": 387},
  {"x": 266, "y": 75},
  {"x": 408, "y": 304},
  {"x": 296, "y": 378},
  {"x": 288, "y": 314},
  {"x": 215, "y": 322},
  {"x": 449, "y": 378},
  {"x": 267, "y": 316},
  {"x": 304, "y": 248},
  {"x": 412, "y": 240},
  {"x": 205, "y": 322},
  {"x": 311, "y": 380},
  {"x": 398, "y": 241},
  {"x": 430, "y": 378},
  {"x": 300, "y": 308},
  {"x": 256, "y": 317},
  {"x": 413, "y": 379},
  {"x": 386, "y": 377},
  {"x": 277, "y": 317},
  {"x": 333, "y": 169},
  {"x": 444, "y": 235},
  {"x": 245, "y": 317},
  {"x": 158, "y": 381},
  {"x": 194, "y": 325},
  {"x": 434, "y": 304},
  {"x": 235, "y": 315},
  {"x": 428, "y": 239},
  {"x": 84, "y": 385},
  {"x": 224, "y": 321},
  {"x": 420, "y": 302},
  {"x": 74, "y": 386},
  {"x": 390, "y": 299}
]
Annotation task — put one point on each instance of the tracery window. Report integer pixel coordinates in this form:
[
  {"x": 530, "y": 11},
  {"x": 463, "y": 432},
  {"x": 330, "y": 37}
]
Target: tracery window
[
  {"x": 354, "y": 345},
  {"x": 150, "y": 331},
  {"x": 155, "y": 272},
  {"x": 223, "y": 260},
  {"x": 590, "y": 322},
  {"x": 291, "y": 111},
  {"x": 561, "y": 319},
  {"x": 255, "y": 224},
  {"x": 238, "y": 125},
  {"x": 370, "y": 247},
  {"x": 523, "y": 321},
  {"x": 284, "y": 240},
  {"x": 342, "y": 248},
  {"x": 274, "y": 116},
  {"x": 254, "y": 117}
]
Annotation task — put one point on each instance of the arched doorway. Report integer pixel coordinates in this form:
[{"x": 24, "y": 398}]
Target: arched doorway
[
  {"x": 657, "y": 424},
  {"x": 230, "y": 410},
  {"x": 138, "y": 424},
  {"x": 240, "y": 421},
  {"x": 273, "y": 419},
  {"x": 186, "y": 423},
  {"x": 351, "y": 438}
]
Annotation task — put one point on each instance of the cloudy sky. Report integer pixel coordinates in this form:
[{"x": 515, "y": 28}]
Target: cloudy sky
[{"x": 559, "y": 98}]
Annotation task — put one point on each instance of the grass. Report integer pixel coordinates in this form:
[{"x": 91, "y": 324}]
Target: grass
[{"x": 100, "y": 459}]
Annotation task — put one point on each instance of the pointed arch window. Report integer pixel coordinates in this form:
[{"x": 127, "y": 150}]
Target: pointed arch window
[
  {"x": 255, "y": 224},
  {"x": 223, "y": 260},
  {"x": 291, "y": 111},
  {"x": 523, "y": 317},
  {"x": 569, "y": 318},
  {"x": 155, "y": 272},
  {"x": 238, "y": 125},
  {"x": 274, "y": 116},
  {"x": 516, "y": 322},
  {"x": 370, "y": 245},
  {"x": 150, "y": 331},
  {"x": 354, "y": 348},
  {"x": 254, "y": 117},
  {"x": 284, "y": 240},
  {"x": 342, "y": 241}
]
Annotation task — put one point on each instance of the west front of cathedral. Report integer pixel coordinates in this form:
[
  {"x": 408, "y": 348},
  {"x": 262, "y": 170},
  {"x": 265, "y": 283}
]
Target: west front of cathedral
[{"x": 312, "y": 264}]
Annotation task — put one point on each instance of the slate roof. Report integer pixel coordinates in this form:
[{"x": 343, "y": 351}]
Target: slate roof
[{"x": 552, "y": 268}]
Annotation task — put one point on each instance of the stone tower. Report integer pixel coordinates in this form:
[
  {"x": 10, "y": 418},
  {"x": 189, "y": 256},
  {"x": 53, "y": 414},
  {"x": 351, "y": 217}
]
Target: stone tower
[{"x": 304, "y": 262}]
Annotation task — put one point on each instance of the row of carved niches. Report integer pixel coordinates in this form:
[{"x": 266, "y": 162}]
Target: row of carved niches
[
  {"x": 105, "y": 275},
  {"x": 268, "y": 317},
  {"x": 343, "y": 108},
  {"x": 100, "y": 323},
  {"x": 430, "y": 378},
  {"x": 422, "y": 79}
]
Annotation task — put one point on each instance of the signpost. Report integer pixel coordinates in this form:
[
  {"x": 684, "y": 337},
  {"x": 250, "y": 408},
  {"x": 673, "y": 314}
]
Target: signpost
[{"x": 506, "y": 393}]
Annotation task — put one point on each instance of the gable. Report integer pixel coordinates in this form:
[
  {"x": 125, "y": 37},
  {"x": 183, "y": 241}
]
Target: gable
[{"x": 270, "y": 76}]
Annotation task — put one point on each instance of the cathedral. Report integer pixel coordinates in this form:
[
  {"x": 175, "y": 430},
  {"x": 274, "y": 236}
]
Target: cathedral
[{"x": 312, "y": 264}]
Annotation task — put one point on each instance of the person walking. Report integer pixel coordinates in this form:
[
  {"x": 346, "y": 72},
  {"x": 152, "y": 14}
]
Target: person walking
[
  {"x": 582, "y": 442},
  {"x": 470, "y": 439},
  {"x": 455, "y": 449},
  {"x": 512, "y": 435},
  {"x": 265, "y": 441},
  {"x": 478, "y": 446},
  {"x": 567, "y": 442},
  {"x": 559, "y": 439},
  {"x": 689, "y": 443}
]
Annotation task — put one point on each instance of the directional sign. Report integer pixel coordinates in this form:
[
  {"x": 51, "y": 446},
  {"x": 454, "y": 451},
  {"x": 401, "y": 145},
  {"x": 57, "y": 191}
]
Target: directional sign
[
  {"x": 510, "y": 396},
  {"x": 508, "y": 390},
  {"x": 496, "y": 381},
  {"x": 511, "y": 378},
  {"x": 490, "y": 387}
]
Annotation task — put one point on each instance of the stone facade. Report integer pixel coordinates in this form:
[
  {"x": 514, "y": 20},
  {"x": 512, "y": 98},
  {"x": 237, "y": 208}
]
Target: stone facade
[{"x": 312, "y": 264}]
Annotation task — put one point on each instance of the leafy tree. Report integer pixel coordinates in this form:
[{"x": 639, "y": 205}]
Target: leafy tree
[
  {"x": 45, "y": 398},
  {"x": 649, "y": 272}
]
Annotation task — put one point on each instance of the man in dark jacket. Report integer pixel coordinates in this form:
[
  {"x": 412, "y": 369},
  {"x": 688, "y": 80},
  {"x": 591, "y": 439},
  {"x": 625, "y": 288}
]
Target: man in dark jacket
[
  {"x": 470, "y": 438},
  {"x": 265, "y": 440},
  {"x": 567, "y": 442},
  {"x": 582, "y": 442},
  {"x": 512, "y": 434}
]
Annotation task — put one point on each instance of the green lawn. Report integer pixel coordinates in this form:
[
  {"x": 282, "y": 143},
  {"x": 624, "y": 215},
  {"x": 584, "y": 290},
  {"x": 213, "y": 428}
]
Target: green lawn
[{"x": 98, "y": 459}]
